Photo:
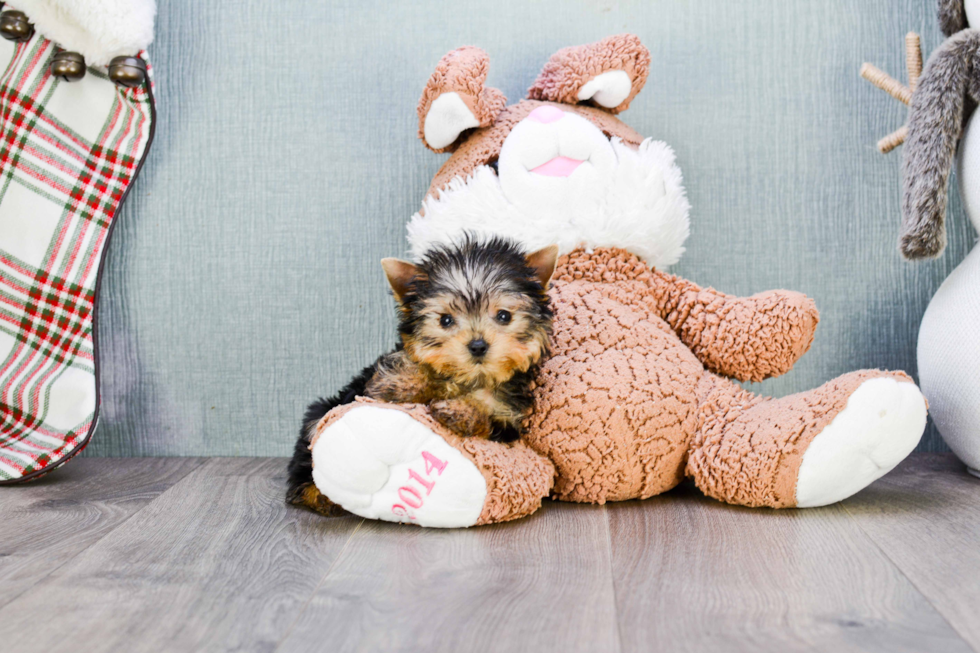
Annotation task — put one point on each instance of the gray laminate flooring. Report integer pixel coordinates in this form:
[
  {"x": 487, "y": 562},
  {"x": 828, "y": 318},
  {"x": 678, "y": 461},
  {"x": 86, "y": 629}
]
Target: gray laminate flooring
[{"x": 195, "y": 554}]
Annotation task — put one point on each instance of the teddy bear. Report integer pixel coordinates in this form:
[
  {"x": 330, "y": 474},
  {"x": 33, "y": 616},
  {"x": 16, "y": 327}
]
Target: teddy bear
[{"x": 640, "y": 389}]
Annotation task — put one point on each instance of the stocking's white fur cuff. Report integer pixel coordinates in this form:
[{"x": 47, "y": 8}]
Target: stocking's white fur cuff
[
  {"x": 641, "y": 207},
  {"x": 97, "y": 29}
]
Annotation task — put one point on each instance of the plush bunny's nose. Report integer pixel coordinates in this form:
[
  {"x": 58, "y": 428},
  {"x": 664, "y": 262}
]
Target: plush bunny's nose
[{"x": 546, "y": 114}]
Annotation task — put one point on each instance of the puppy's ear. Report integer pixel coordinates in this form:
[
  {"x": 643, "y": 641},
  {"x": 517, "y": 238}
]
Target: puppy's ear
[
  {"x": 543, "y": 263},
  {"x": 400, "y": 275}
]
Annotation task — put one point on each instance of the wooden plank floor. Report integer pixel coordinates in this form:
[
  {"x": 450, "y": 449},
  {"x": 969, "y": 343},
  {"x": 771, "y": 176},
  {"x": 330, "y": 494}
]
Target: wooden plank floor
[{"x": 202, "y": 555}]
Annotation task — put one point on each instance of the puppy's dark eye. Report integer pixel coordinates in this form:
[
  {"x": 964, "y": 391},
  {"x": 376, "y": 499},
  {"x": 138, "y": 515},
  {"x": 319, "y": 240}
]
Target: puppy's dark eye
[
  {"x": 446, "y": 321},
  {"x": 503, "y": 317}
]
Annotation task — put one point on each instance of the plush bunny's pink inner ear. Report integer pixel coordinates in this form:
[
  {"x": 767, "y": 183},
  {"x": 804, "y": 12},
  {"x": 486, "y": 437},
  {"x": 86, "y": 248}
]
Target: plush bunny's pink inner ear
[
  {"x": 455, "y": 99},
  {"x": 608, "y": 73},
  {"x": 608, "y": 89},
  {"x": 447, "y": 117}
]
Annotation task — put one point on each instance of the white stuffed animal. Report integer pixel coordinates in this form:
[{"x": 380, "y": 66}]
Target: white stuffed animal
[{"x": 939, "y": 119}]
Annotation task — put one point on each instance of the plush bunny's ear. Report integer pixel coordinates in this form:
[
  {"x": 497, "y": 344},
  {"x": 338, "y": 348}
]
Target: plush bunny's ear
[
  {"x": 455, "y": 99},
  {"x": 952, "y": 17},
  {"x": 608, "y": 73},
  {"x": 935, "y": 126}
]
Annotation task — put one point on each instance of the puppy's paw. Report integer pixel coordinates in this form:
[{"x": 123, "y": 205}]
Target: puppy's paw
[{"x": 460, "y": 418}]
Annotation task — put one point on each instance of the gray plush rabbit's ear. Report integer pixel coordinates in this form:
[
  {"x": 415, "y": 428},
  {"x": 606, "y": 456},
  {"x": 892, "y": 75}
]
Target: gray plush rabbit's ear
[
  {"x": 935, "y": 127},
  {"x": 952, "y": 17}
]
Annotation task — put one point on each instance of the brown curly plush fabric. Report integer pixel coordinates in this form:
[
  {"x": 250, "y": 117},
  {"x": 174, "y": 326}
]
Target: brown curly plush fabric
[
  {"x": 462, "y": 71},
  {"x": 620, "y": 402},
  {"x": 746, "y": 338},
  {"x": 631, "y": 400},
  {"x": 748, "y": 449},
  {"x": 569, "y": 69}
]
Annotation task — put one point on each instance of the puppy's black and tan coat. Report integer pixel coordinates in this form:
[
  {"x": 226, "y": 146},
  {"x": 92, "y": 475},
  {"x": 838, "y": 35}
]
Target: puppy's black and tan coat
[{"x": 474, "y": 321}]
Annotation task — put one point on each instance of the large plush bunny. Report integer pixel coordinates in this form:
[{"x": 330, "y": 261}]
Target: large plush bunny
[
  {"x": 638, "y": 392},
  {"x": 942, "y": 116}
]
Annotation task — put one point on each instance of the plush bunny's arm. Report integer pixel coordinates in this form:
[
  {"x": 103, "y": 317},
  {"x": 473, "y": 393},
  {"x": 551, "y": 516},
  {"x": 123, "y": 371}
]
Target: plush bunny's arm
[
  {"x": 745, "y": 338},
  {"x": 935, "y": 126}
]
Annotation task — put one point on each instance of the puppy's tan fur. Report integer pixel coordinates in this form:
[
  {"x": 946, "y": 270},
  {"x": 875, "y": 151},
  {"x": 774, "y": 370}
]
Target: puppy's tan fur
[{"x": 471, "y": 288}]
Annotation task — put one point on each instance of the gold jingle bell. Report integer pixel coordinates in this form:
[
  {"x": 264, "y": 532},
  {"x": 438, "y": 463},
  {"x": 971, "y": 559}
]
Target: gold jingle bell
[
  {"x": 69, "y": 66},
  {"x": 14, "y": 26},
  {"x": 127, "y": 71}
]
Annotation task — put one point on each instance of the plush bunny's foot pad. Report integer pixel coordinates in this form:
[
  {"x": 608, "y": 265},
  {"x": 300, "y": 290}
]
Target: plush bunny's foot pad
[
  {"x": 880, "y": 426},
  {"x": 383, "y": 464}
]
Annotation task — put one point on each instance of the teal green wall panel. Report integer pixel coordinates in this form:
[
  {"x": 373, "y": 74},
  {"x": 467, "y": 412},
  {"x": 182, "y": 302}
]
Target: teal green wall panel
[{"x": 243, "y": 279}]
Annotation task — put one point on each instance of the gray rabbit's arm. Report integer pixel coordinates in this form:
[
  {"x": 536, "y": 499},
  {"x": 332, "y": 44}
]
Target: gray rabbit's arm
[{"x": 935, "y": 126}]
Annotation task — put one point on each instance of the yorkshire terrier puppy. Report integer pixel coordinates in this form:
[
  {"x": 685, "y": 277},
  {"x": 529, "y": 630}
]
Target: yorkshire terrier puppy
[{"x": 474, "y": 321}]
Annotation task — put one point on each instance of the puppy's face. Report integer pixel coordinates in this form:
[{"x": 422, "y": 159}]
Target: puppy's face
[
  {"x": 487, "y": 335},
  {"x": 475, "y": 315}
]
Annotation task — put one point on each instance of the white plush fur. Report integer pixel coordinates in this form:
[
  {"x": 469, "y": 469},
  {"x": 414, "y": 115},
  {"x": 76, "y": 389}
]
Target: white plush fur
[
  {"x": 639, "y": 204},
  {"x": 881, "y": 424},
  {"x": 97, "y": 29},
  {"x": 364, "y": 462},
  {"x": 446, "y": 119},
  {"x": 608, "y": 89}
]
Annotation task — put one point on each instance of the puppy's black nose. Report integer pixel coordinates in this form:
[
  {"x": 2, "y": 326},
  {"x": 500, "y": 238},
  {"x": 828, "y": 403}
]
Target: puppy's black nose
[{"x": 478, "y": 347}]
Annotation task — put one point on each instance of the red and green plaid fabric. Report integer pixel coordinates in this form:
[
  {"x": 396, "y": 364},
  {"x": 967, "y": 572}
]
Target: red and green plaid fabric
[{"x": 68, "y": 154}]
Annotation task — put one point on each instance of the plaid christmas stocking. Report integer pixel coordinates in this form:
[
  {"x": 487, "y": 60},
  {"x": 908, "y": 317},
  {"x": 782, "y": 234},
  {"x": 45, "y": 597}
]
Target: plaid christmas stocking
[{"x": 76, "y": 121}]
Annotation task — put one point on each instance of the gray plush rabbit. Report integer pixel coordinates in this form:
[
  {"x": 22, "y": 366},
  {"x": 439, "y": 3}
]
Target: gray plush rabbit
[
  {"x": 942, "y": 116},
  {"x": 946, "y": 95}
]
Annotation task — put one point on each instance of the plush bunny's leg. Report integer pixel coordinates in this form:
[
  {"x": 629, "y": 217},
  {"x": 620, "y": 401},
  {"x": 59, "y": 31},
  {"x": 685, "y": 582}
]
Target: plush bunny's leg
[
  {"x": 395, "y": 463},
  {"x": 809, "y": 449}
]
